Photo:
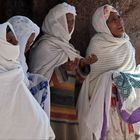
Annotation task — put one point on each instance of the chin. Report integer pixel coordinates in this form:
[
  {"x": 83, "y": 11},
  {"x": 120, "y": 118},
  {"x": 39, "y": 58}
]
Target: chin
[
  {"x": 121, "y": 34},
  {"x": 118, "y": 35}
]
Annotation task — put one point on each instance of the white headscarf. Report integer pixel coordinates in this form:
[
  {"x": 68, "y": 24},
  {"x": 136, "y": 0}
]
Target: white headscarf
[
  {"x": 21, "y": 116},
  {"x": 23, "y": 28},
  {"x": 55, "y": 23},
  {"x": 9, "y": 53},
  {"x": 114, "y": 54},
  {"x": 100, "y": 17},
  {"x": 53, "y": 48}
]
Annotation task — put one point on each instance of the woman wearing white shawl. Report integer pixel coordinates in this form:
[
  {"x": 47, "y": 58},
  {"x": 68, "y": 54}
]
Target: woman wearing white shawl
[
  {"x": 26, "y": 32},
  {"x": 115, "y": 53},
  {"x": 47, "y": 57},
  {"x": 21, "y": 115},
  {"x": 53, "y": 48}
]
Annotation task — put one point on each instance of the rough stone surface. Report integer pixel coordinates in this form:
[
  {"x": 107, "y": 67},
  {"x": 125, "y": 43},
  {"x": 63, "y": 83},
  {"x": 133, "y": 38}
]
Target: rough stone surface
[{"x": 37, "y": 9}]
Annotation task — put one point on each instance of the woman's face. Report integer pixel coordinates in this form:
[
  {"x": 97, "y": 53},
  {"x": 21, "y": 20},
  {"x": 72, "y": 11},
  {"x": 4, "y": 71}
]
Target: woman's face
[
  {"x": 29, "y": 42},
  {"x": 115, "y": 24},
  {"x": 70, "y": 21},
  {"x": 10, "y": 37}
]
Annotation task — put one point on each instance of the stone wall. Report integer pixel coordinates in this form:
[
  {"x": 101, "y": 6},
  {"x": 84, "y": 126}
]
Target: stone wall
[{"x": 37, "y": 9}]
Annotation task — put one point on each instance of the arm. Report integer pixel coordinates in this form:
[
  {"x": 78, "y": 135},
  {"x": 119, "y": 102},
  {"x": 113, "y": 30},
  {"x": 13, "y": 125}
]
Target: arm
[
  {"x": 83, "y": 68},
  {"x": 80, "y": 66}
]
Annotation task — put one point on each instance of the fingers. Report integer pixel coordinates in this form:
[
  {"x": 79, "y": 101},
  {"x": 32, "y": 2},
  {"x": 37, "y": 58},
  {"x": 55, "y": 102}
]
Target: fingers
[
  {"x": 73, "y": 64},
  {"x": 94, "y": 58},
  {"x": 76, "y": 61},
  {"x": 91, "y": 59}
]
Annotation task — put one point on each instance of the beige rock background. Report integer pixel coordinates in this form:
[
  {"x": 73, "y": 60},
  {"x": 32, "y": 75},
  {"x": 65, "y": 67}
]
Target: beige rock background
[{"x": 37, "y": 9}]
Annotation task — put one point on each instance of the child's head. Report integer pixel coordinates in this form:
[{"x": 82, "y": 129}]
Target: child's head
[{"x": 106, "y": 19}]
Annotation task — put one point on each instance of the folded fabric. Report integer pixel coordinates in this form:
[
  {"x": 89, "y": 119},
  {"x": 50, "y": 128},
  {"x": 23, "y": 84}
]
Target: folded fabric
[{"x": 128, "y": 86}]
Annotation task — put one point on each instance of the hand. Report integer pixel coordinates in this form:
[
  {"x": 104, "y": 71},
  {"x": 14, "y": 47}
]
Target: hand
[
  {"x": 71, "y": 65},
  {"x": 88, "y": 60}
]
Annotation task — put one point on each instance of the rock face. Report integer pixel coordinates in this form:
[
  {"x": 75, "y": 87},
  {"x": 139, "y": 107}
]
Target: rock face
[
  {"x": 37, "y": 9},
  {"x": 132, "y": 24}
]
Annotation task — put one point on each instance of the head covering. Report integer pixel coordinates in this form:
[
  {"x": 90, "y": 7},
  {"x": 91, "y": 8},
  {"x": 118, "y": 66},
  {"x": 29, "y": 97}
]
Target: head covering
[
  {"x": 53, "y": 48},
  {"x": 100, "y": 17},
  {"x": 23, "y": 28},
  {"x": 55, "y": 22},
  {"x": 9, "y": 52}
]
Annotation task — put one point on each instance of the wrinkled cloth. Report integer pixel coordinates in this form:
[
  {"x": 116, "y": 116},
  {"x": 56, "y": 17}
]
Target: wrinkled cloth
[
  {"x": 21, "y": 116},
  {"x": 91, "y": 112},
  {"x": 100, "y": 17},
  {"x": 113, "y": 53},
  {"x": 40, "y": 89},
  {"x": 23, "y": 28}
]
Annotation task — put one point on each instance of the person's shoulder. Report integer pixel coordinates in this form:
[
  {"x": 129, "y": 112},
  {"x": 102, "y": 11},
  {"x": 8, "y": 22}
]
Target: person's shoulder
[{"x": 96, "y": 38}]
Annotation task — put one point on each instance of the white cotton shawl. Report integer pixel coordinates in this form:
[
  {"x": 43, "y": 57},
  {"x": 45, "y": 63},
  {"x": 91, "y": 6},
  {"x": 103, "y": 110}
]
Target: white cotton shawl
[
  {"x": 21, "y": 116},
  {"x": 53, "y": 48},
  {"x": 23, "y": 28},
  {"x": 91, "y": 111},
  {"x": 114, "y": 54}
]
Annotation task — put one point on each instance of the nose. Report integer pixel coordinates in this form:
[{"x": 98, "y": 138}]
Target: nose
[{"x": 119, "y": 22}]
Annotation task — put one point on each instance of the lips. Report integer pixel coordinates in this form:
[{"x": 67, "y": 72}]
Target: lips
[{"x": 120, "y": 28}]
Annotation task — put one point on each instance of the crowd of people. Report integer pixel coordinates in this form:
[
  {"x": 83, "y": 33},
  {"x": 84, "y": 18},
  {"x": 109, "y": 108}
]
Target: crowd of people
[{"x": 42, "y": 99}]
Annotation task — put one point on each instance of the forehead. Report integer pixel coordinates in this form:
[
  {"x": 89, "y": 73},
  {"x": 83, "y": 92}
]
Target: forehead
[
  {"x": 69, "y": 16},
  {"x": 113, "y": 14}
]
